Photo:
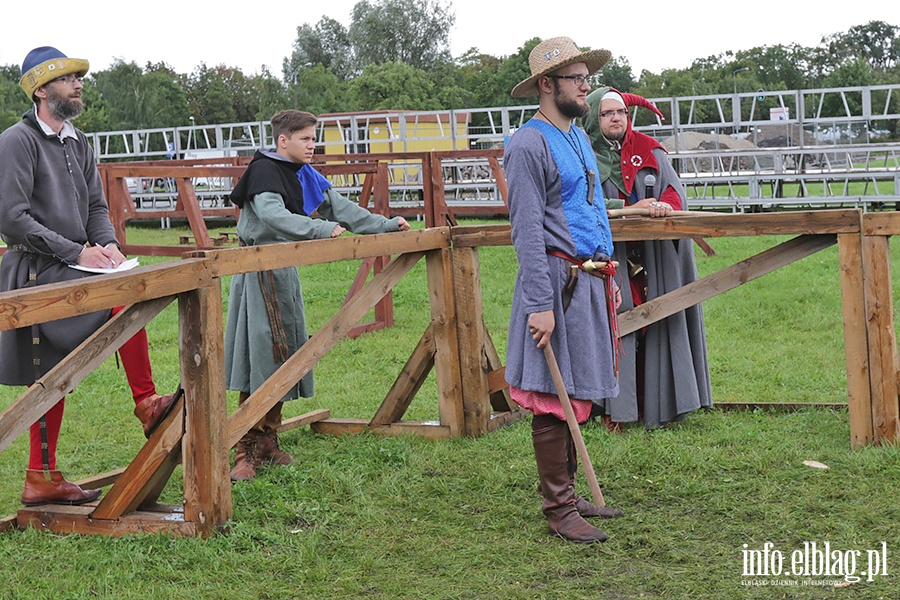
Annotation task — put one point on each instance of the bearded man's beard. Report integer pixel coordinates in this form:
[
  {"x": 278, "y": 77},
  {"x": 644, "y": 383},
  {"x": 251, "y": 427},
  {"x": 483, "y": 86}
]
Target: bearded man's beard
[
  {"x": 570, "y": 108},
  {"x": 63, "y": 108}
]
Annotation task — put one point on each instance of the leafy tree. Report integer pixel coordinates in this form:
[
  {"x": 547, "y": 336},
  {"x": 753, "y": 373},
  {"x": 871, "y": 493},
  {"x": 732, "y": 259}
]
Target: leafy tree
[
  {"x": 13, "y": 102},
  {"x": 209, "y": 100},
  {"x": 413, "y": 32},
  {"x": 273, "y": 95},
  {"x": 617, "y": 74},
  {"x": 327, "y": 44},
  {"x": 318, "y": 91},
  {"x": 392, "y": 86}
]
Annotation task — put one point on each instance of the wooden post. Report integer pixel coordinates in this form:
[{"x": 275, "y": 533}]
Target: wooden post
[
  {"x": 207, "y": 486},
  {"x": 472, "y": 355},
  {"x": 881, "y": 338},
  {"x": 856, "y": 344},
  {"x": 446, "y": 343}
]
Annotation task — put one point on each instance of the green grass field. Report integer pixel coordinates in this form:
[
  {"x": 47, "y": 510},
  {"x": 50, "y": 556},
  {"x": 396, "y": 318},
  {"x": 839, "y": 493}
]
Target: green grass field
[{"x": 375, "y": 517}]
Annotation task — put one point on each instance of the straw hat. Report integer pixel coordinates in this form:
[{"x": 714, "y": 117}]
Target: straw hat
[
  {"x": 553, "y": 54},
  {"x": 44, "y": 64}
]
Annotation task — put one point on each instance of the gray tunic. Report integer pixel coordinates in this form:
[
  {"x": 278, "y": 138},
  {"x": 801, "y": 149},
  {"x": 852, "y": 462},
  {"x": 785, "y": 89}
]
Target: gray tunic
[
  {"x": 676, "y": 366},
  {"x": 581, "y": 339},
  {"x": 249, "y": 347},
  {"x": 51, "y": 204}
]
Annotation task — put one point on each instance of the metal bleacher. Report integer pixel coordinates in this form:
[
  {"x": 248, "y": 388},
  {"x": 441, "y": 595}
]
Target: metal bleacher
[{"x": 830, "y": 147}]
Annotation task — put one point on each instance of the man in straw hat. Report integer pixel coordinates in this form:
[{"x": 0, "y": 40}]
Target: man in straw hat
[
  {"x": 559, "y": 222},
  {"x": 664, "y": 374},
  {"x": 52, "y": 215}
]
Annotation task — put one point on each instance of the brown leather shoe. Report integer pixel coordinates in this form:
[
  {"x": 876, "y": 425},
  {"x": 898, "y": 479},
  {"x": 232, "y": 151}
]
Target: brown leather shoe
[
  {"x": 269, "y": 452},
  {"x": 589, "y": 509},
  {"x": 50, "y": 487},
  {"x": 151, "y": 411},
  {"x": 246, "y": 461}
]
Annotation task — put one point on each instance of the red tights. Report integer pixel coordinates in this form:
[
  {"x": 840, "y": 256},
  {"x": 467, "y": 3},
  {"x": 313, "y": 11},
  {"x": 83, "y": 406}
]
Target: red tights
[{"x": 135, "y": 355}]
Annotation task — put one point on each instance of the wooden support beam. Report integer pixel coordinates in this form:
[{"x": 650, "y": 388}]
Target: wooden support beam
[
  {"x": 729, "y": 278},
  {"x": 21, "y": 308},
  {"x": 471, "y": 334},
  {"x": 305, "y": 419},
  {"x": 62, "y": 379},
  {"x": 78, "y": 519},
  {"x": 229, "y": 261},
  {"x": 856, "y": 342},
  {"x": 274, "y": 388},
  {"x": 139, "y": 479},
  {"x": 408, "y": 382},
  {"x": 207, "y": 484},
  {"x": 882, "y": 338},
  {"x": 447, "y": 372},
  {"x": 431, "y": 431}
]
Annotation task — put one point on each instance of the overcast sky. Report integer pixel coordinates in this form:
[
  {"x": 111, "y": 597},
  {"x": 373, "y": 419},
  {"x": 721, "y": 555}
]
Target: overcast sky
[{"x": 651, "y": 35}]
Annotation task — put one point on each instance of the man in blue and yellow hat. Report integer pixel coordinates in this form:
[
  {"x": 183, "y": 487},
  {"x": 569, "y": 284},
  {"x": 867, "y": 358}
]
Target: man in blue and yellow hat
[{"x": 53, "y": 214}]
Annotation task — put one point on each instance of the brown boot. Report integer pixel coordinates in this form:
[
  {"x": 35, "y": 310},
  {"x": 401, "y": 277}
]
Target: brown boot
[
  {"x": 50, "y": 487},
  {"x": 551, "y": 453},
  {"x": 151, "y": 411},
  {"x": 268, "y": 451},
  {"x": 588, "y": 509},
  {"x": 246, "y": 461}
]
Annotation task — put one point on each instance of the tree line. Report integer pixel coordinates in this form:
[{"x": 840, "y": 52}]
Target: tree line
[{"x": 395, "y": 56}]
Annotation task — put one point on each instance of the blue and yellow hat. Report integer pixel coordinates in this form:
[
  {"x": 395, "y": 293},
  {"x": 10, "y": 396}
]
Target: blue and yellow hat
[{"x": 44, "y": 64}]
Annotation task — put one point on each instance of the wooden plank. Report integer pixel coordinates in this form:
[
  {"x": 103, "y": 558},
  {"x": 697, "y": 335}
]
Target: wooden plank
[
  {"x": 207, "y": 484},
  {"x": 230, "y": 261},
  {"x": 21, "y": 308},
  {"x": 882, "y": 339},
  {"x": 131, "y": 488},
  {"x": 717, "y": 283},
  {"x": 447, "y": 372},
  {"x": 470, "y": 331},
  {"x": 500, "y": 180},
  {"x": 9, "y": 523},
  {"x": 187, "y": 198},
  {"x": 102, "y": 480},
  {"x": 274, "y": 388},
  {"x": 408, "y": 381},
  {"x": 305, "y": 419},
  {"x": 881, "y": 223},
  {"x": 497, "y": 386},
  {"x": 62, "y": 379},
  {"x": 856, "y": 344},
  {"x": 77, "y": 519},
  {"x": 475, "y": 236},
  {"x": 504, "y": 419},
  {"x": 432, "y": 431},
  {"x": 737, "y": 225},
  {"x": 778, "y": 406}
]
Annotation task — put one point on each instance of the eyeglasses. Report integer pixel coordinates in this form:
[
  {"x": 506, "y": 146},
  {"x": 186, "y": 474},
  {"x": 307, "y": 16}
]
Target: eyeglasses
[
  {"x": 70, "y": 79},
  {"x": 622, "y": 112},
  {"x": 578, "y": 80}
]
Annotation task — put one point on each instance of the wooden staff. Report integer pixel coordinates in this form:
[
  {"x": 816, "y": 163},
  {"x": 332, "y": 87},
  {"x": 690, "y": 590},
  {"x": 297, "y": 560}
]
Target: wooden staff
[
  {"x": 645, "y": 212},
  {"x": 573, "y": 425}
]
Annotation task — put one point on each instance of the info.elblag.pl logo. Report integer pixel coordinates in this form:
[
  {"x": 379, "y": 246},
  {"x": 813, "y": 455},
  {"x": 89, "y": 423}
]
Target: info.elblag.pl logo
[{"x": 818, "y": 563}]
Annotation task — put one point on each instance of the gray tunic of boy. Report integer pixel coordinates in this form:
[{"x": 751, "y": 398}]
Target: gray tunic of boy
[{"x": 249, "y": 358}]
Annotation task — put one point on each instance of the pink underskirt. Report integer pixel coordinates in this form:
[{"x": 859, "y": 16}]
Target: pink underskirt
[{"x": 541, "y": 403}]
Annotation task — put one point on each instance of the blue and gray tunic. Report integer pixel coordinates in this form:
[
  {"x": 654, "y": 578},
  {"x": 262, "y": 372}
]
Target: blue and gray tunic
[{"x": 549, "y": 210}]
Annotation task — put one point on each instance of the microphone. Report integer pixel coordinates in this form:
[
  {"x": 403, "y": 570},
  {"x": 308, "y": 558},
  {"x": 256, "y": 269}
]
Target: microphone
[{"x": 649, "y": 182}]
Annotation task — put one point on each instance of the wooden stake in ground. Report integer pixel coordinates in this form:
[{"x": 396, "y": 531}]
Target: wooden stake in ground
[{"x": 573, "y": 425}]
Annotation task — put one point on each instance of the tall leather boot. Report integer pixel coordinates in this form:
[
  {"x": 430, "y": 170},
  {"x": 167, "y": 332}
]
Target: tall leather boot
[
  {"x": 550, "y": 438},
  {"x": 267, "y": 443},
  {"x": 585, "y": 507},
  {"x": 50, "y": 487}
]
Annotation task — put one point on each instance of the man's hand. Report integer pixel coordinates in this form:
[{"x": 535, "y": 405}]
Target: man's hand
[
  {"x": 541, "y": 325},
  {"x": 656, "y": 208},
  {"x": 99, "y": 257},
  {"x": 338, "y": 230},
  {"x": 404, "y": 226}
]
